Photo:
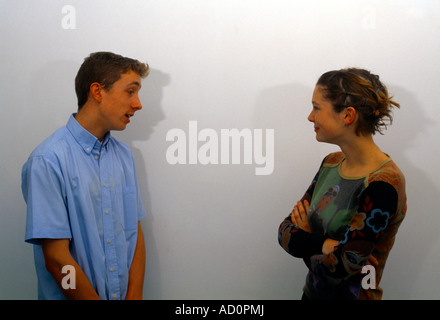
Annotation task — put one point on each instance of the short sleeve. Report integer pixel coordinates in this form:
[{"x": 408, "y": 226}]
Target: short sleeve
[
  {"x": 141, "y": 213},
  {"x": 44, "y": 193}
]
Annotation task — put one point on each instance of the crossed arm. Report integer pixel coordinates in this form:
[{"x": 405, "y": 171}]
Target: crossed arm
[
  {"x": 299, "y": 218},
  {"x": 377, "y": 207}
]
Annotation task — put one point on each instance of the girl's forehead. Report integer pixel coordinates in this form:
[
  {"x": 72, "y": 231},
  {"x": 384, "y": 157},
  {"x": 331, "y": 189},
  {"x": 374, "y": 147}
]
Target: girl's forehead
[{"x": 318, "y": 95}]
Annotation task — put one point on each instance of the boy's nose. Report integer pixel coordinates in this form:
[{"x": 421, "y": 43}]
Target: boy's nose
[{"x": 137, "y": 105}]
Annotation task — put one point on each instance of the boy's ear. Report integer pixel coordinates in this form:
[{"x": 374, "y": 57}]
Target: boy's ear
[{"x": 96, "y": 91}]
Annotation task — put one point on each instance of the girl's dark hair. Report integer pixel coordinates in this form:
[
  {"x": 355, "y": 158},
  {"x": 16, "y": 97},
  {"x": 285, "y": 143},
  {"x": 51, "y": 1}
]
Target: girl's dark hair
[
  {"x": 362, "y": 90},
  {"x": 104, "y": 68}
]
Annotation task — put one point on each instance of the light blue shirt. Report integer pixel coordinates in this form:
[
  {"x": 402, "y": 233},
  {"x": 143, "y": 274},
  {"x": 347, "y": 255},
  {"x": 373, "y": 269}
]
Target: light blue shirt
[{"x": 80, "y": 189}]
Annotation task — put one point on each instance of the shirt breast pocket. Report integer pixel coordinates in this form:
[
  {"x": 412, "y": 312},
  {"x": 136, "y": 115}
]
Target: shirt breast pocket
[{"x": 127, "y": 207}]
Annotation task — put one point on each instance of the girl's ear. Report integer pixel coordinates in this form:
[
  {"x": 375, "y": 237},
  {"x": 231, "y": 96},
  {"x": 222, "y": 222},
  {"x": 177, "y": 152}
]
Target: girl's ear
[{"x": 349, "y": 116}]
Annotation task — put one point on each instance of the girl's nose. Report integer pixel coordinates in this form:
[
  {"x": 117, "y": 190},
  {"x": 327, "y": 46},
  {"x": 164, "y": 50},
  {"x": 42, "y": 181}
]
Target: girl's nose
[{"x": 311, "y": 117}]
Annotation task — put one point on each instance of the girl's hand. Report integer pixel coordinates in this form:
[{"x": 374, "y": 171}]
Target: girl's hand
[
  {"x": 329, "y": 246},
  {"x": 373, "y": 261},
  {"x": 299, "y": 215}
]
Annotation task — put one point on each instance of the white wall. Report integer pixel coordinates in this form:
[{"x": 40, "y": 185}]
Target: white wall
[{"x": 211, "y": 230}]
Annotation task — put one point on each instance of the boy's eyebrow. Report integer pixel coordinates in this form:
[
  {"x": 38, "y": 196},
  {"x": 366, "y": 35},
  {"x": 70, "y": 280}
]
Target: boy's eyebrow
[{"x": 136, "y": 83}]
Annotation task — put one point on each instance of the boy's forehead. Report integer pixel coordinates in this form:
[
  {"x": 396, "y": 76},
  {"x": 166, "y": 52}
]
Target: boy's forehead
[{"x": 130, "y": 78}]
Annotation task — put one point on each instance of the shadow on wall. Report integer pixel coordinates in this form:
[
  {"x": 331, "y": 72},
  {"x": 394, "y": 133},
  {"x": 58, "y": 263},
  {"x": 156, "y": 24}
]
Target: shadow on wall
[
  {"x": 50, "y": 99},
  {"x": 141, "y": 129},
  {"x": 403, "y": 275},
  {"x": 284, "y": 108},
  {"x": 151, "y": 114}
]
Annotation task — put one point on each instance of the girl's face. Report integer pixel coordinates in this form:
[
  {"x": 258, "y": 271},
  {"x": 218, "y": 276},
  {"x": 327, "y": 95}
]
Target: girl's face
[{"x": 329, "y": 125}]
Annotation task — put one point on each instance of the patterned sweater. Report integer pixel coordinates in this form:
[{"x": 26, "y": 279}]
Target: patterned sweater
[{"x": 363, "y": 214}]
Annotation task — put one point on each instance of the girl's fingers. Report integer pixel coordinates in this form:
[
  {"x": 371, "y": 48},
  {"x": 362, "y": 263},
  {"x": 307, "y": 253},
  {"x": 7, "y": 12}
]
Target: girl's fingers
[
  {"x": 302, "y": 211},
  {"x": 298, "y": 216},
  {"x": 295, "y": 216},
  {"x": 306, "y": 205}
]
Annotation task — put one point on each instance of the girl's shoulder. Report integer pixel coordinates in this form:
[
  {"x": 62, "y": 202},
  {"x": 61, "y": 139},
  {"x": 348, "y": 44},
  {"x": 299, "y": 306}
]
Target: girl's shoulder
[
  {"x": 390, "y": 173},
  {"x": 333, "y": 159}
]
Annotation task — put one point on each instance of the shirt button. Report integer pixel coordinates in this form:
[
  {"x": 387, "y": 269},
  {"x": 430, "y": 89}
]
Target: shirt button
[
  {"x": 88, "y": 149},
  {"x": 109, "y": 240},
  {"x": 96, "y": 157},
  {"x": 106, "y": 211},
  {"x": 114, "y": 295},
  {"x": 111, "y": 269},
  {"x": 104, "y": 184}
]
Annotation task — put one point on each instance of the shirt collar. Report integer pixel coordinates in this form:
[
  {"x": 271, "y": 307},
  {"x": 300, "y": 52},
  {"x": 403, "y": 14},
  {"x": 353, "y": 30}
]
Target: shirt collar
[{"x": 84, "y": 138}]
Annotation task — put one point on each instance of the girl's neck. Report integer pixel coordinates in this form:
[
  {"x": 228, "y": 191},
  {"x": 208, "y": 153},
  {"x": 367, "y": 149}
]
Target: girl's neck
[{"x": 362, "y": 156}]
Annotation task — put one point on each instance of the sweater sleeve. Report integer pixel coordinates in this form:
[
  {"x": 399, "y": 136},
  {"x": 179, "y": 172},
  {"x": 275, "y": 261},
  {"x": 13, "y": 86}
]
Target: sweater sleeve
[
  {"x": 377, "y": 206},
  {"x": 294, "y": 240},
  {"x": 297, "y": 242}
]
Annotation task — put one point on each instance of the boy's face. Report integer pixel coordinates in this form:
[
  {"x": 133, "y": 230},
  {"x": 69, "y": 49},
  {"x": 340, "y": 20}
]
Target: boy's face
[{"x": 120, "y": 103}]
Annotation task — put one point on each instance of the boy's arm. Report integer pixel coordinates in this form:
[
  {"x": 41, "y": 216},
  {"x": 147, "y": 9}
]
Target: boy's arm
[
  {"x": 137, "y": 269},
  {"x": 57, "y": 255}
]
